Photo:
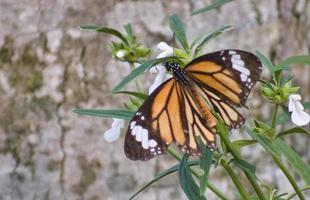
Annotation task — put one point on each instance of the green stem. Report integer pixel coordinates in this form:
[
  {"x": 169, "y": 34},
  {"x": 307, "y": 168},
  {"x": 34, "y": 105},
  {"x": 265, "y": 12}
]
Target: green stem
[
  {"x": 174, "y": 153},
  {"x": 235, "y": 154},
  {"x": 289, "y": 177},
  {"x": 235, "y": 179},
  {"x": 137, "y": 83},
  {"x": 294, "y": 194},
  {"x": 274, "y": 117},
  {"x": 279, "y": 162}
]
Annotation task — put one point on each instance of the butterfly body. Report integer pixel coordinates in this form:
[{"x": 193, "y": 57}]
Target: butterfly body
[{"x": 179, "y": 110}]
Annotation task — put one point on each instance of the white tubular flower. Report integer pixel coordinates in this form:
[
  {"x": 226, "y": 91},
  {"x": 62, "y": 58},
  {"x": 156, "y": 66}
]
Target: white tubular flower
[
  {"x": 160, "y": 78},
  {"x": 160, "y": 69},
  {"x": 166, "y": 51},
  {"x": 114, "y": 132},
  {"x": 298, "y": 117}
]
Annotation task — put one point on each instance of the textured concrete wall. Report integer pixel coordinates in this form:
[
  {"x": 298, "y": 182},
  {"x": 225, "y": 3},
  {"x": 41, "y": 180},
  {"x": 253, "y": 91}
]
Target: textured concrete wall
[{"x": 49, "y": 67}]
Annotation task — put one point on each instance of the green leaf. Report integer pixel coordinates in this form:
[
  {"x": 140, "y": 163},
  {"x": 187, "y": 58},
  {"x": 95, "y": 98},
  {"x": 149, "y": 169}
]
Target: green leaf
[
  {"x": 210, "y": 36},
  {"x": 245, "y": 166},
  {"x": 294, "y": 160},
  {"x": 302, "y": 59},
  {"x": 187, "y": 181},
  {"x": 139, "y": 70},
  {"x": 286, "y": 80},
  {"x": 264, "y": 141},
  {"x": 216, "y": 4},
  {"x": 265, "y": 62},
  {"x": 243, "y": 143},
  {"x": 177, "y": 26},
  {"x": 283, "y": 67},
  {"x": 162, "y": 175},
  {"x": 105, "y": 30},
  {"x": 306, "y": 105},
  {"x": 120, "y": 114},
  {"x": 133, "y": 93},
  {"x": 205, "y": 164},
  {"x": 282, "y": 118},
  {"x": 129, "y": 31},
  {"x": 294, "y": 130}
]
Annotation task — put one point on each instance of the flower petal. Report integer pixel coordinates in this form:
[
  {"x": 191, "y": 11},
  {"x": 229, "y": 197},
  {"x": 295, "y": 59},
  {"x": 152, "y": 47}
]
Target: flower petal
[
  {"x": 298, "y": 117},
  {"x": 157, "y": 68},
  {"x": 163, "y": 46},
  {"x": 114, "y": 132},
  {"x": 160, "y": 78}
]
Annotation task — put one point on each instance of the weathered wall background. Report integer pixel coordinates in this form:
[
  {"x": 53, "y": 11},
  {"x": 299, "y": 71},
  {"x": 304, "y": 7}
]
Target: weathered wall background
[{"x": 49, "y": 67}]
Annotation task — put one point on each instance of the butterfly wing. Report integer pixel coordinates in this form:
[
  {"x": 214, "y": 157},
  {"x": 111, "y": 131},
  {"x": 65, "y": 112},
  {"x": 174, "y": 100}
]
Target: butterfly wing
[
  {"x": 170, "y": 114},
  {"x": 225, "y": 78}
]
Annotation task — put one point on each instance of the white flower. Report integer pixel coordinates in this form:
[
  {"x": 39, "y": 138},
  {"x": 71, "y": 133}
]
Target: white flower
[
  {"x": 299, "y": 117},
  {"x": 120, "y": 54},
  {"x": 166, "y": 50},
  {"x": 160, "y": 69},
  {"x": 160, "y": 78},
  {"x": 114, "y": 132}
]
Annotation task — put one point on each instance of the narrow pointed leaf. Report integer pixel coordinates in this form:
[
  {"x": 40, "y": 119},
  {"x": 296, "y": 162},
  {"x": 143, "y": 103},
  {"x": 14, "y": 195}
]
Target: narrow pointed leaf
[
  {"x": 104, "y": 30},
  {"x": 243, "y": 165},
  {"x": 302, "y": 59},
  {"x": 243, "y": 143},
  {"x": 161, "y": 175},
  {"x": 216, "y": 4},
  {"x": 129, "y": 30},
  {"x": 266, "y": 62},
  {"x": 133, "y": 93},
  {"x": 187, "y": 181},
  {"x": 120, "y": 114},
  {"x": 266, "y": 143},
  {"x": 294, "y": 130},
  {"x": 205, "y": 164},
  {"x": 212, "y": 35},
  {"x": 177, "y": 26},
  {"x": 294, "y": 160}
]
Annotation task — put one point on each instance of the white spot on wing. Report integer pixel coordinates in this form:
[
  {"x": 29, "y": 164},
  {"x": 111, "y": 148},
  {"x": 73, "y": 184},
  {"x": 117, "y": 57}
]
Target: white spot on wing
[
  {"x": 139, "y": 133},
  {"x": 232, "y": 52},
  {"x": 145, "y": 139},
  {"x": 241, "y": 69},
  {"x": 134, "y": 130},
  {"x": 152, "y": 143},
  {"x": 243, "y": 77},
  {"x": 132, "y": 124}
]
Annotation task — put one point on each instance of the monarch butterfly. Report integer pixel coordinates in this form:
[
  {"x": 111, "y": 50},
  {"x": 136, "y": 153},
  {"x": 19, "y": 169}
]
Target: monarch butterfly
[{"x": 179, "y": 109}]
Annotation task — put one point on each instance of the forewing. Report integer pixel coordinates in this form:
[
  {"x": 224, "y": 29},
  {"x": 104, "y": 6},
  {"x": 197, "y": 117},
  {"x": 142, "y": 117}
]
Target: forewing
[{"x": 229, "y": 74}]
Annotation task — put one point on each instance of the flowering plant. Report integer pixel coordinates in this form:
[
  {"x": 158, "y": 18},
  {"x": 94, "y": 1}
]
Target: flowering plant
[{"x": 193, "y": 173}]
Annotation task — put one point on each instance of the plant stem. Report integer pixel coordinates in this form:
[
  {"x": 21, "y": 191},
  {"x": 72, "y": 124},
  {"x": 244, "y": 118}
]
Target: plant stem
[
  {"x": 137, "y": 83},
  {"x": 174, "y": 153},
  {"x": 235, "y": 179},
  {"x": 303, "y": 189},
  {"x": 289, "y": 177},
  {"x": 279, "y": 162},
  {"x": 274, "y": 117},
  {"x": 235, "y": 154}
]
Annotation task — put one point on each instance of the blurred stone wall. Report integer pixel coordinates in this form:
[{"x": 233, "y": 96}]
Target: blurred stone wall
[{"x": 49, "y": 67}]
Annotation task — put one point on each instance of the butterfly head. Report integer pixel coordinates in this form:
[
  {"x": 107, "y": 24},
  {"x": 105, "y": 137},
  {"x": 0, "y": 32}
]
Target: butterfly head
[
  {"x": 172, "y": 66},
  {"x": 177, "y": 71}
]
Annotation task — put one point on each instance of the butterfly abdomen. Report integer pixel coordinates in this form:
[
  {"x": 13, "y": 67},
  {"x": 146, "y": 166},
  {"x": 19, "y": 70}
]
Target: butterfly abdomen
[{"x": 205, "y": 111}]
